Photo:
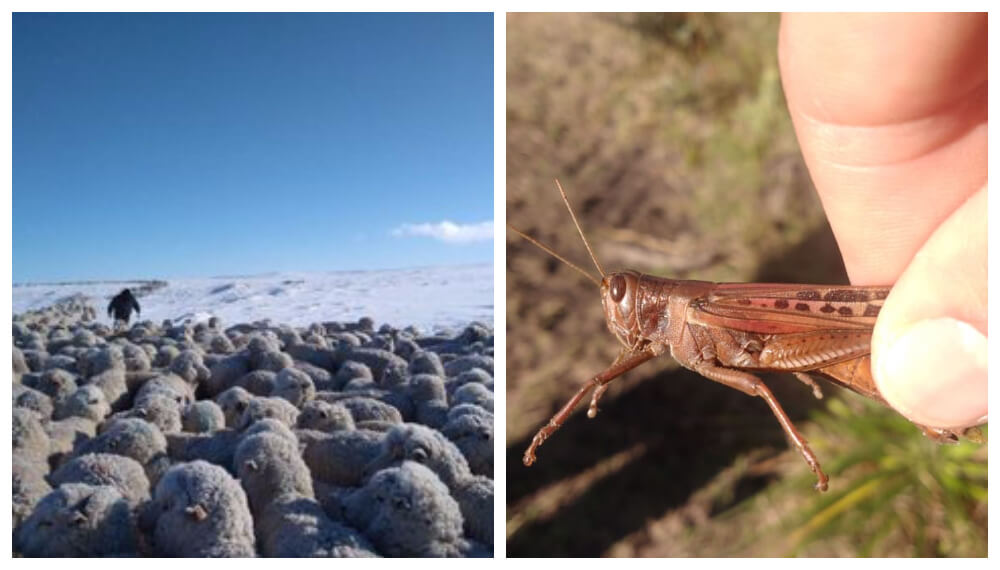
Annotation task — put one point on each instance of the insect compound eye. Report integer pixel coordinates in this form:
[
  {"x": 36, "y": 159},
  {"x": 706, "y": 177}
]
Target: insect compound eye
[{"x": 617, "y": 288}]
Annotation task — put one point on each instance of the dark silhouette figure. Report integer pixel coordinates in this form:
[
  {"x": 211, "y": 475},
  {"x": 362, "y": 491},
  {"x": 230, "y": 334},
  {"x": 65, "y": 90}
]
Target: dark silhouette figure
[{"x": 121, "y": 305}]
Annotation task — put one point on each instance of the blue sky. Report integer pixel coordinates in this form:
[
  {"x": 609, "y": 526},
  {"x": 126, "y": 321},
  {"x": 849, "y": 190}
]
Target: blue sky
[{"x": 170, "y": 145}]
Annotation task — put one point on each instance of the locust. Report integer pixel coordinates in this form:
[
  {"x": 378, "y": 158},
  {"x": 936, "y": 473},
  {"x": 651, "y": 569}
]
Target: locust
[{"x": 728, "y": 332}]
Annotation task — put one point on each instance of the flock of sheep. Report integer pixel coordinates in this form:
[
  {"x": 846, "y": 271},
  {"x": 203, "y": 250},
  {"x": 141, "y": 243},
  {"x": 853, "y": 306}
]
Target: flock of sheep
[{"x": 251, "y": 440}]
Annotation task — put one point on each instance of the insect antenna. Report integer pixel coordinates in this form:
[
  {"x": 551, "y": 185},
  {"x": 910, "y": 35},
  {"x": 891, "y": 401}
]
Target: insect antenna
[
  {"x": 577, "y": 224},
  {"x": 550, "y": 251}
]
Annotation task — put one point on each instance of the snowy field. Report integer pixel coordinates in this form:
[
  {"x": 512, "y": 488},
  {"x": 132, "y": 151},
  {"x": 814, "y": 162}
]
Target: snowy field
[{"x": 430, "y": 298}]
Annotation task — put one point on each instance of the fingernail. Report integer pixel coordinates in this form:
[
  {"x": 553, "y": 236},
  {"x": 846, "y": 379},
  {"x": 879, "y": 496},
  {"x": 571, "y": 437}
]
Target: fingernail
[{"x": 935, "y": 373}]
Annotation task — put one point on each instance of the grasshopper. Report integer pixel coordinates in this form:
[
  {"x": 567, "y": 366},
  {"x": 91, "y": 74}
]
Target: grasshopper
[{"x": 728, "y": 331}]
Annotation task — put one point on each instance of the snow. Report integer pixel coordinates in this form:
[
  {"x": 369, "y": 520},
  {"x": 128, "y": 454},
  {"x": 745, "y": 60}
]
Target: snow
[{"x": 431, "y": 298}]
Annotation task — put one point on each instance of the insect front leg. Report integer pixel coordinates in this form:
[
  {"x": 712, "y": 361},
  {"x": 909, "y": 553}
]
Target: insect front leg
[{"x": 625, "y": 361}]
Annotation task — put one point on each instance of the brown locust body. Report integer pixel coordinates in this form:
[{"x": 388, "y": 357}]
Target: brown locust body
[{"x": 728, "y": 331}]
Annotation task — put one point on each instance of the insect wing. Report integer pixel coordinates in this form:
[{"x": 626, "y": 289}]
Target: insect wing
[{"x": 775, "y": 308}]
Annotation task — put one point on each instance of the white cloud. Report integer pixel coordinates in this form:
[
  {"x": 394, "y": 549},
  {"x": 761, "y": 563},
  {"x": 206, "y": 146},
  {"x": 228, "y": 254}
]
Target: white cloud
[{"x": 448, "y": 232}]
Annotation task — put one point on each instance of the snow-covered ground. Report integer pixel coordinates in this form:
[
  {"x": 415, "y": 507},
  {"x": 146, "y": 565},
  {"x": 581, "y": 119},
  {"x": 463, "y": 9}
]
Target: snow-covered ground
[{"x": 431, "y": 298}]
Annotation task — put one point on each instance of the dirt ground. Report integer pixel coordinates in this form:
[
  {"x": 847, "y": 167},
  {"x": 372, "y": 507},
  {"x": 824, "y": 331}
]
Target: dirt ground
[{"x": 671, "y": 137}]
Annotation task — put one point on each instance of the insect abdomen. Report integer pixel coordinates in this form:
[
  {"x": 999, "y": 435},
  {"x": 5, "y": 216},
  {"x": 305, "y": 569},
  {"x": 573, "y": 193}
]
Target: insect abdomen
[{"x": 803, "y": 351}]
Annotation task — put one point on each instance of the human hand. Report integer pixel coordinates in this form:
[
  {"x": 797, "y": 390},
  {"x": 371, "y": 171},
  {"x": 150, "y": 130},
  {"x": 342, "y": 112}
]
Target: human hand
[{"x": 891, "y": 115}]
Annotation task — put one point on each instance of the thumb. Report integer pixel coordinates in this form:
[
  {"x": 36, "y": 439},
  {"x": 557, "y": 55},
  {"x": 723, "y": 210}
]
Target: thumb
[{"x": 929, "y": 347}]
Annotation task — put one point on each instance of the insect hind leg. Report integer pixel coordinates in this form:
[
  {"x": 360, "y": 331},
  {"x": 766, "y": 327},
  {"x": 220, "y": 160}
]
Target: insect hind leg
[{"x": 753, "y": 386}]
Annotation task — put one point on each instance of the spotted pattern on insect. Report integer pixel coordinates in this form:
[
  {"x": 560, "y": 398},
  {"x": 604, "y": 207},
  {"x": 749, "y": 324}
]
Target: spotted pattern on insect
[
  {"x": 846, "y": 295},
  {"x": 808, "y": 295}
]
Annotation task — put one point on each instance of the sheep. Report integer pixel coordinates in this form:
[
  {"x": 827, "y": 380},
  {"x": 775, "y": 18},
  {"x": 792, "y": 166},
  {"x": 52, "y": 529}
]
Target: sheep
[
  {"x": 406, "y": 348},
  {"x": 318, "y": 356},
  {"x": 295, "y": 386},
  {"x": 426, "y": 362},
  {"x": 375, "y": 358},
  {"x": 203, "y": 416},
  {"x": 269, "y": 465},
  {"x": 34, "y": 357},
  {"x": 340, "y": 457},
  {"x": 59, "y": 362},
  {"x": 477, "y": 375},
  {"x": 135, "y": 438},
  {"x": 157, "y": 408},
  {"x": 224, "y": 374},
  {"x": 217, "y": 447},
  {"x": 29, "y": 486},
  {"x": 474, "y": 496},
  {"x": 468, "y": 362},
  {"x": 189, "y": 366},
  {"x": 123, "y": 473},
  {"x": 136, "y": 359},
  {"x": 431, "y": 448},
  {"x": 66, "y": 435},
  {"x": 29, "y": 437},
  {"x": 473, "y": 435},
  {"x": 233, "y": 403},
  {"x": 273, "y": 426},
  {"x": 325, "y": 416},
  {"x": 273, "y": 360},
  {"x": 39, "y": 402},
  {"x": 258, "y": 382},
  {"x": 77, "y": 520},
  {"x": 220, "y": 344},
  {"x": 364, "y": 409},
  {"x": 86, "y": 402},
  {"x": 56, "y": 383},
  {"x": 170, "y": 385},
  {"x": 113, "y": 382},
  {"x": 349, "y": 371},
  {"x": 165, "y": 355},
  {"x": 321, "y": 377},
  {"x": 407, "y": 511},
  {"x": 473, "y": 393},
  {"x": 260, "y": 408},
  {"x": 198, "y": 509},
  {"x": 293, "y": 525}
]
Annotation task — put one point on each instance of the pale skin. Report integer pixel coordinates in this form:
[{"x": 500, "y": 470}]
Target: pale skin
[{"x": 891, "y": 115}]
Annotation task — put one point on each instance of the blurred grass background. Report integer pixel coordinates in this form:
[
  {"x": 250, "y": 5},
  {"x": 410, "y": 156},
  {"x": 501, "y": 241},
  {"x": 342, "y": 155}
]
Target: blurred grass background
[{"x": 671, "y": 136}]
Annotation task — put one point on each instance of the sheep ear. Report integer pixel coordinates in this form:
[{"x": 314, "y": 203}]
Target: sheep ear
[
  {"x": 197, "y": 512},
  {"x": 251, "y": 465}
]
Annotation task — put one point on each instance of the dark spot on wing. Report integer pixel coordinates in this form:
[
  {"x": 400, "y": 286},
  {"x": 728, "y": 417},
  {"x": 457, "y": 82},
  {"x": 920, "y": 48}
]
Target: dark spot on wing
[
  {"x": 879, "y": 294},
  {"x": 801, "y": 306},
  {"x": 846, "y": 295},
  {"x": 846, "y": 311},
  {"x": 807, "y": 295},
  {"x": 827, "y": 308},
  {"x": 871, "y": 310},
  {"x": 744, "y": 301},
  {"x": 781, "y": 304}
]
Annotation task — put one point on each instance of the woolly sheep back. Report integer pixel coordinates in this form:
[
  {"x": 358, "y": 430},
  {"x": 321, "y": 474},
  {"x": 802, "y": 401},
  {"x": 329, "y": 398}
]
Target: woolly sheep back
[
  {"x": 78, "y": 520},
  {"x": 198, "y": 509}
]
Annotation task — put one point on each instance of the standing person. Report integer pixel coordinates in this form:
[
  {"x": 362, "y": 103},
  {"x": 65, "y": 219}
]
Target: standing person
[{"x": 121, "y": 306}]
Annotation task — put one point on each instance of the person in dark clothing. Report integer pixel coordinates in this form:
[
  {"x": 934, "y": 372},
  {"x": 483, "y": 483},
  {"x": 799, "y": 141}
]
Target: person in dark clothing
[{"x": 121, "y": 306}]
